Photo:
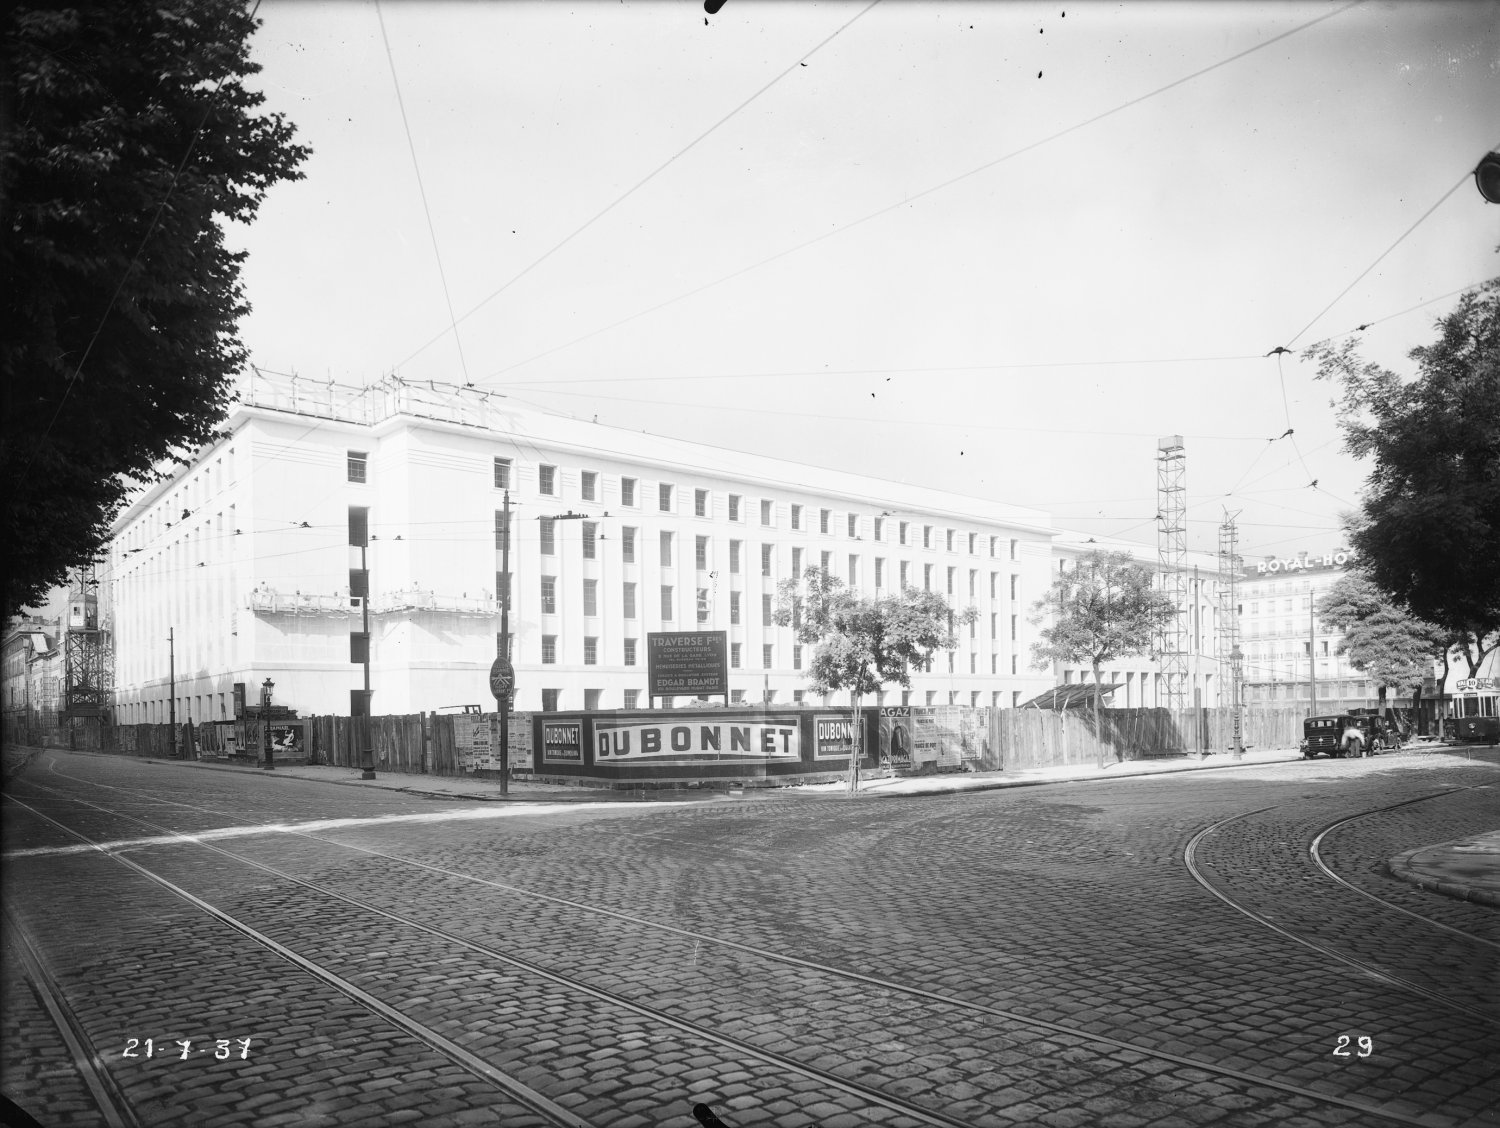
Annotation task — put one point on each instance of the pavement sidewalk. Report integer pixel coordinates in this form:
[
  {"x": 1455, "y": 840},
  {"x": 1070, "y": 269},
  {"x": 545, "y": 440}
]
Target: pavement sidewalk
[{"x": 1468, "y": 869}]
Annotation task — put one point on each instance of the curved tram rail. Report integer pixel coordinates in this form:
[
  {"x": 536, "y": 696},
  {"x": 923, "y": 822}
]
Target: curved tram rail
[
  {"x": 1189, "y": 857},
  {"x": 874, "y": 1096}
]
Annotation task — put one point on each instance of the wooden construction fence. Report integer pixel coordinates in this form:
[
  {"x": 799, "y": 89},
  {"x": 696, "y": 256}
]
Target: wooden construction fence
[{"x": 1033, "y": 738}]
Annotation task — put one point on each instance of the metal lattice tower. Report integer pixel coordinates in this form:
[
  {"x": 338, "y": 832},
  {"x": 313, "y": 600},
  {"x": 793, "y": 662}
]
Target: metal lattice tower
[
  {"x": 1231, "y": 657},
  {"x": 88, "y": 669},
  {"x": 1171, "y": 551}
]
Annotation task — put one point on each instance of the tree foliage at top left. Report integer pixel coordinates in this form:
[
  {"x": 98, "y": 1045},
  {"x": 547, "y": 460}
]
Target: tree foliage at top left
[{"x": 127, "y": 137}]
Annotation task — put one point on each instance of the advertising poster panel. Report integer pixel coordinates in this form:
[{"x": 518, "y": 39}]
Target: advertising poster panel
[
  {"x": 519, "y": 746},
  {"x": 925, "y": 743},
  {"x": 834, "y": 734},
  {"x": 687, "y": 663},
  {"x": 948, "y": 723},
  {"x": 767, "y": 739},
  {"x": 562, "y": 742},
  {"x": 471, "y": 742},
  {"x": 895, "y": 736}
]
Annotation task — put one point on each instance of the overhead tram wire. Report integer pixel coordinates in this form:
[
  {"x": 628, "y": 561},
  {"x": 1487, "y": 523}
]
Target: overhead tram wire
[
  {"x": 618, "y": 200},
  {"x": 913, "y": 198},
  {"x": 134, "y": 259}
]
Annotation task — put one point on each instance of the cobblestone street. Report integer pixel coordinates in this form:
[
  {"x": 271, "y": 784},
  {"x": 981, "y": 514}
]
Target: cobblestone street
[{"x": 1161, "y": 950}]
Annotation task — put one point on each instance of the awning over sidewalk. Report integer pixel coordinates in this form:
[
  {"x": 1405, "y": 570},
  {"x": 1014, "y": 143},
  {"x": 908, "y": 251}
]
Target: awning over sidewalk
[{"x": 1072, "y": 696}]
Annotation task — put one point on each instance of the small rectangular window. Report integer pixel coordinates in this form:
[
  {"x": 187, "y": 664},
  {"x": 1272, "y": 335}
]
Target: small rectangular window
[
  {"x": 700, "y": 554},
  {"x": 548, "y": 537},
  {"x": 627, "y": 545},
  {"x": 590, "y": 651},
  {"x": 590, "y": 597},
  {"x": 667, "y": 611},
  {"x": 629, "y": 653},
  {"x": 358, "y": 465},
  {"x": 700, "y": 503},
  {"x": 666, "y": 549},
  {"x": 664, "y": 497},
  {"x": 546, "y": 479},
  {"x": 549, "y": 595},
  {"x": 627, "y": 491},
  {"x": 549, "y": 650},
  {"x": 588, "y": 485},
  {"x": 502, "y": 473},
  {"x": 627, "y": 600},
  {"x": 632, "y": 696},
  {"x": 550, "y": 700},
  {"x": 767, "y": 511},
  {"x": 796, "y": 516}
]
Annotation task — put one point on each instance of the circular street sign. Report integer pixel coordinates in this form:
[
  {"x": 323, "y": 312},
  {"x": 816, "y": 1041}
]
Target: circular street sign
[{"x": 502, "y": 678}]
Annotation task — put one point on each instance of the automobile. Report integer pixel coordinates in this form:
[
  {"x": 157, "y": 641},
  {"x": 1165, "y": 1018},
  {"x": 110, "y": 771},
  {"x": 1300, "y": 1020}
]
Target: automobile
[{"x": 1324, "y": 735}]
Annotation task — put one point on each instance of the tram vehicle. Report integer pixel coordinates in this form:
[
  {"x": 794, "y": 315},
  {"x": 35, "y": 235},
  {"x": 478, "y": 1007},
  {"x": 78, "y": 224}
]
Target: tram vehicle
[{"x": 1476, "y": 712}]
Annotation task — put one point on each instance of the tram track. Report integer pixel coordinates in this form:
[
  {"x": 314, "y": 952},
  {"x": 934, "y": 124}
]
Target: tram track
[
  {"x": 1364, "y": 967},
  {"x": 858, "y": 978}
]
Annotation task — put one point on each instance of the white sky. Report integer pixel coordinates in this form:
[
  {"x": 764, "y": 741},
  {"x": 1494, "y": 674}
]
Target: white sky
[{"x": 949, "y": 340}]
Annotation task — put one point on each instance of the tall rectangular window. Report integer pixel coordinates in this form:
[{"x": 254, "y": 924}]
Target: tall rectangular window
[
  {"x": 591, "y": 597},
  {"x": 358, "y": 465},
  {"x": 546, "y": 479},
  {"x": 734, "y": 507},
  {"x": 627, "y": 545},
  {"x": 667, "y": 612},
  {"x": 627, "y": 600},
  {"x": 502, "y": 473},
  {"x": 627, "y": 491},
  {"x": 796, "y": 657},
  {"x": 972, "y": 537},
  {"x": 994, "y": 545},
  {"x": 879, "y": 528},
  {"x": 734, "y": 656},
  {"x": 700, "y": 503},
  {"x": 765, "y": 559},
  {"x": 767, "y": 511},
  {"x": 902, "y": 532},
  {"x": 796, "y": 563},
  {"x": 766, "y": 653},
  {"x": 734, "y": 608},
  {"x": 973, "y": 582},
  {"x": 950, "y": 579},
  {"x": 853, "y": 525},
  {"x": 359, "y": 525},
  {"x": 905, "y": 565},
  {"x": 879, "y": 571},
  {"x": 500, "y": 529},
  {"x": 549, "y": 650},
  {"x": 926, "y": 536},
  {"x": 823, "y": 516},
  {"x": 1015, "y": 586},
  {"x": 926, "y": 577},
  {"x": 549, "y": 595},
  {"x": 823, "y": 561},
  {"x": 700, "y": 554},
  {"x": 796, "y": 516},
  {"x": 734, "y": 558},
  {"x": 702, "y": 605},
  {"x": 630, "y": 651},
  {"x": 548, "y": 536},
  {"x": 590, "y": 651},
  {"x": 666, "y": 549},
  {"x": 853, "y": 570},
  {"x": 590, "y": 538},
  {"x": 765, "y": 610},
  {"x": 994, "y": 585},
  {"x": 664, "y": 497},
  {"x": 1015, "y": 549},
  {"x": 588, "y": 485}
]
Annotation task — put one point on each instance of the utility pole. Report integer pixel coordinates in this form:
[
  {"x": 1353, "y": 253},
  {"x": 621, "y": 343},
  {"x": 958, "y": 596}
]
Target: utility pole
[
  {"x": 1229, "y": 628},
  {"x": 503, "y": 698},
  {"x": 172, "y": 688},
  {"x": 1312, "y": 657},
  {"x": 366, "y": 753}
]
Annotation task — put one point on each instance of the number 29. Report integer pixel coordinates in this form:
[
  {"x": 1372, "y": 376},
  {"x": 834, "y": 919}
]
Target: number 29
[{"x": 1366, "y": 1047}]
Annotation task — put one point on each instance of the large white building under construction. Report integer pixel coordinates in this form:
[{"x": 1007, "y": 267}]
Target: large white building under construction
[{"x": 248, "y": 559}]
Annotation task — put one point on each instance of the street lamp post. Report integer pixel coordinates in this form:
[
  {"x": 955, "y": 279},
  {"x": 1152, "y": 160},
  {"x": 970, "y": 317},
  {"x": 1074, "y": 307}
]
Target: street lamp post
[{"x": 265, "y": 721}]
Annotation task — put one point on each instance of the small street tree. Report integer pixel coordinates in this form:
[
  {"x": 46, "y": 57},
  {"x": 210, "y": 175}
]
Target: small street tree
[
  {"x": 1428, "y": 526},
  {"x": 1102, "y": 609},
  {"x": 862, "y": 643},
  {"x": 1381, "y": 638}
]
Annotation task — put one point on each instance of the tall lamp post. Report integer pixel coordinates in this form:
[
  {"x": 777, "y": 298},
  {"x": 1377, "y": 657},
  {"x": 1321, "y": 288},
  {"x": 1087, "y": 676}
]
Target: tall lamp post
[{"x": 265, "y": 721}]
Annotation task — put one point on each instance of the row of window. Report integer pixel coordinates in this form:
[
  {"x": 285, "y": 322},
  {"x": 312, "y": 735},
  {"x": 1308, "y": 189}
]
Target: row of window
[{"x": 593, "y": 699}]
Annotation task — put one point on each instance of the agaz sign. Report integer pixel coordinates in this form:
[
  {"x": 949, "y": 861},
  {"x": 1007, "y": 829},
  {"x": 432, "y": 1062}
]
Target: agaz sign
[
  {"x": 1303, "y": 562},
  {"x": 685, "y": 742}
]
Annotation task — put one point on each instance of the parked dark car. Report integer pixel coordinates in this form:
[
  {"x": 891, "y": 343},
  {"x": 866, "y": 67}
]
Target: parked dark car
[{"x": 1324, "y": 736}]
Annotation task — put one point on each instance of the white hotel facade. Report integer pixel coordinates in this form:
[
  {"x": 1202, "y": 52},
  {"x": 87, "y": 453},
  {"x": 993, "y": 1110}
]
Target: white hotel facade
[{"x": 244, "y": 557}]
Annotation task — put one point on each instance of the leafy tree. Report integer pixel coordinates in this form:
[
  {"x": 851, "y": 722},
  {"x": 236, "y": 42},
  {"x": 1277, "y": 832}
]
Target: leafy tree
[
  {"x": 1381, "y": 638},
  {"x": 128, "y": 139},
  {"x": 1102, "y": 609},
  {"x": 862, "y": 643},
  {"x": 1428, "y": 527}
]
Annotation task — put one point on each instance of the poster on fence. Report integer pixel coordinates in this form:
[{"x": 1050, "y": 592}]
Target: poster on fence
[
  {"x": 895, "y": 736},
  {"x": 518, "y": 748},
  {"x": 924, "y": 736},
  {"x": 471, "y": 742}
]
